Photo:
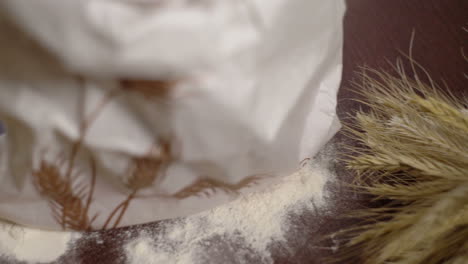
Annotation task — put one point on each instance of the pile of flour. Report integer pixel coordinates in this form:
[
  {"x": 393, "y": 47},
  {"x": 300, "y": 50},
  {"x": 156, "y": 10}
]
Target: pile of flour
[
  {"x": 248, "y": 226},
  {"x": 32, "y": 245}
]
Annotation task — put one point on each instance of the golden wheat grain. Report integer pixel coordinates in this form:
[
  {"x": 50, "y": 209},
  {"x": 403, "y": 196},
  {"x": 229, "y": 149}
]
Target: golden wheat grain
[{"x": 414, "y": 144}]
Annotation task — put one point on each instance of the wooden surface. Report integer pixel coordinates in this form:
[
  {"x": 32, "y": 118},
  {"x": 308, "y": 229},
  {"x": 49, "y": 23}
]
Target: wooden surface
[{"x": 376, "y": 31}]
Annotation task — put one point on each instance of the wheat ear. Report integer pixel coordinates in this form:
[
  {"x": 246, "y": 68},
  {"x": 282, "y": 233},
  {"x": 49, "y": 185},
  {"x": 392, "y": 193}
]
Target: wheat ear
[{"x": 414, "y": 155}]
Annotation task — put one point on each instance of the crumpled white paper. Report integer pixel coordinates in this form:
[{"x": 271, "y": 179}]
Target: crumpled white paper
[{"x": 254, "y": 93}]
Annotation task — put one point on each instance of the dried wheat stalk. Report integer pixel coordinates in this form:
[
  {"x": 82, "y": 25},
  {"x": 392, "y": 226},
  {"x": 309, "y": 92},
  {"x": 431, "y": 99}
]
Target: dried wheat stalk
[
  {"x": 209, "y": 186},
  {"x": 151, "y": 89},
  {"x": 144, "y": 170},
  {"x": 70, "y": 205},
  {"x": 70, "y": 208},
  {"x": 414, "y": 153},
  {"x": 143, "y": 173},
  {"x": 85, "y": 123}
]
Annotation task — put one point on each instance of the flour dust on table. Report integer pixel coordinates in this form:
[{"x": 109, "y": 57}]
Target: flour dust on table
[
  {"x": 32, "y": 245},
  {"x": 243, "y": 231},
  {"x": 239, "y": 232}
]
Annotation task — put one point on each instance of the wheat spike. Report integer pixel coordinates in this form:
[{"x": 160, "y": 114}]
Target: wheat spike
[
  {"x": 143, "y": 172},
  {"x": 68, "y": 207},
  {"x": 414, "y": 153},
  {"x": 208, "y": 186}
]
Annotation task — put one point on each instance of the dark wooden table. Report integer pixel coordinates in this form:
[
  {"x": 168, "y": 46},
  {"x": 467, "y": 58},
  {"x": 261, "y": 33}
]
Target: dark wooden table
[{"x": 376, "y": 31}]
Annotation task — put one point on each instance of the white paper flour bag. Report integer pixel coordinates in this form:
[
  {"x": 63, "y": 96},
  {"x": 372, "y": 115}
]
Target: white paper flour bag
[{"x": 122, "y": 112}]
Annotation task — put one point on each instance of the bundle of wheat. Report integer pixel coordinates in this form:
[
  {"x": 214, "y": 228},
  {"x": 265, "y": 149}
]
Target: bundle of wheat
[{"x": 413, "y": 158}]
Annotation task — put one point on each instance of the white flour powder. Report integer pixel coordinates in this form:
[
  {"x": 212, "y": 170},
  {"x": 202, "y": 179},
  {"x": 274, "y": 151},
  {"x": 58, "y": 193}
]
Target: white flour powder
[
  {"x": 32, "y": 245},
  {"x": 239, "y": 232},
  {"x": 252, "y": 222}
]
